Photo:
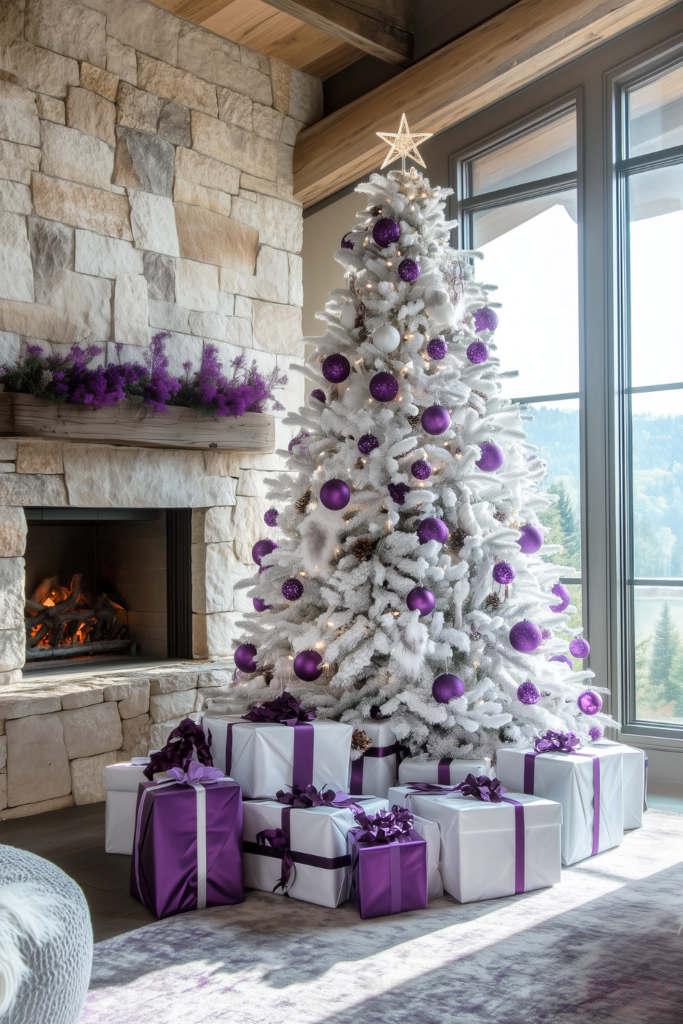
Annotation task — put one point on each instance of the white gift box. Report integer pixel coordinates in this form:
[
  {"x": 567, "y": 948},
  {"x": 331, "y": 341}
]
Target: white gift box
[
  {"x": 431, "y": 833},
  {"x": 314, "y": 833},
  {"x": 374, "y": 772},
  {"x": 449, "y": 771},
  {"x": 635, "y": 782},
  {"x": 571, "y": 780},
  {"x": 121, "y": 783},
  {"x": 491, "y": 849},
  {"x": 266, "y": 757}
]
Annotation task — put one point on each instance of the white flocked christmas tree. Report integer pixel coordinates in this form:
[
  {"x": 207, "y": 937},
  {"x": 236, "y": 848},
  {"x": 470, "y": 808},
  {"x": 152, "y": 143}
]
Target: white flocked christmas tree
[{"x": 410, "y": 574}]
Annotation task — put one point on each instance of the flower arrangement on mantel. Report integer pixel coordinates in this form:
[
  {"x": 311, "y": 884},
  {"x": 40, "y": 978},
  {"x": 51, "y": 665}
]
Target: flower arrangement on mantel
[{"x": 61, "y": 379}]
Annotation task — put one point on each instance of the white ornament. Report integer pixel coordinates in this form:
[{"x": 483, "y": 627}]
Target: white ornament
[
  {"x": 386, "y": 338},
  {"x": 348, "y": 316},
  {"x": 439, "y": 306}
]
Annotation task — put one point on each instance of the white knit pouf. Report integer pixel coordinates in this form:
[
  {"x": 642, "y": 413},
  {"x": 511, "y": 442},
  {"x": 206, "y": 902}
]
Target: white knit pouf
[{"x": 45, "y": 941}]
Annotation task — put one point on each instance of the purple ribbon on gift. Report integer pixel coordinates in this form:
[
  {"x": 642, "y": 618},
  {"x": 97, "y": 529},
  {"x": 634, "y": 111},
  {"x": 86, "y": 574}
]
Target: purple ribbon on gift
[
  {"x": 196, "y": 772},
  {"x": 383, "y": 827},
  {"x": 179, "y": 749},
  {"x": 565, "y": 743},
  {"x": 284, "y": 710},
  {"x": 356, "y": 783},
  {"x": 278, "y": 840}
]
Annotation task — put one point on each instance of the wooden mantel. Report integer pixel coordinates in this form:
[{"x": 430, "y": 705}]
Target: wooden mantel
[{"x": 492, "y": 61}]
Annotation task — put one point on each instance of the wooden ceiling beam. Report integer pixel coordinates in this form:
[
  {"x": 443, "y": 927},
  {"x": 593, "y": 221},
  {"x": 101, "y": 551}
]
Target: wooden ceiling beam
[
  {"x": 518, "y": 46},
  {"x": 380, "y": 27}
]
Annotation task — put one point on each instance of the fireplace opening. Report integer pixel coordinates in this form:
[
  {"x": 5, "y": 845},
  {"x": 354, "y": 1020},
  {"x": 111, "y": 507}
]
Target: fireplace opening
[{"x": 107, "y": 583}]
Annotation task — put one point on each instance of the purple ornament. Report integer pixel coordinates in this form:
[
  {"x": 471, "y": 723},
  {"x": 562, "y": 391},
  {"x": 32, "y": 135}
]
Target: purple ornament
[
  {"x": 292, "y": 589},
  {"x": 307, "y": 666},
  {"x": 319, "y": 395},
  {"x": 447, "y": 687},
  {"x": 547, "y": 634},
  {"x": 485, "y": 319},
  {"x": 528, "y": 693},
  {"x": 336, "y": 368},
  {"x": 408, "y": 270},
  {"x": 579, "y": 647},
  {"x": 491, "y": 457},
  {"x": 436, "y": 420},
  {"x": 437, "y": 348},
  {"x": 398, "y": 493},
  {"x": 562, "y": 658},
  {"x": 421, "y": 469},
  {"x": 244, "y": 658},
  {"x": 297, "y": 440},
  {"x": 595, "y": 732},
  {"x": 335, "y": 495},
  {"x": 270, "y": 518},
  {"x": 477, "y": 352},
  {"x": 525, "y": 637},
  {"x": 386, "y": 231},
  {"x": 503, "y": 573},
  {"x": 383, "y": 387},
  {"x": 432, "y": 529},
  {"x": 346, "y": 242},
  {"x": 367, "y": 443},
  {"x": 559, "y": 590},
  {"x": 589, "y": 702},
  {"x": 262, "y": 548},
  {"x": 260, "y": 605},
  {"x": 531, "y": 539},
  {"x": 422, "y": 600}
]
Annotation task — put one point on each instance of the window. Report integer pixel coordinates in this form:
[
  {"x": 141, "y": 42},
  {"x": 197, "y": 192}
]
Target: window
[
  {"x": 517, "y": 205},
  {"x": 650, "y": 229}
]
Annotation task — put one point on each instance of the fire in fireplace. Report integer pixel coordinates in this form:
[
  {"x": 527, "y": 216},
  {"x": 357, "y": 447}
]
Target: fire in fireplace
[{"x": 67, "y": 621}]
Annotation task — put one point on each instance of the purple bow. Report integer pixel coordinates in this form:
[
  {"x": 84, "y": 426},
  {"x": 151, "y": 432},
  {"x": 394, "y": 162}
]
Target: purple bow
[
  {"x": 383, "y": 827},
  {"x": 196, "y": 772},
  {"x": 481, "y": 787},
  {"x": 179, "y": 747},
  {"x": 279, "y": 840},
  {"x": 310, "y": 797},
  {"x": 285, "y": 709},
  {"x": 567, "y": 742}
]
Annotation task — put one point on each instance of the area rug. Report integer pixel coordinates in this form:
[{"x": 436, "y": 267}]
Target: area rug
[{"x": 604, "y": 945}]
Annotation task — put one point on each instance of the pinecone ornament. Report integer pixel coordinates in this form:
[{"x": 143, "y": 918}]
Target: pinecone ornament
[
  {"x": 362, "y": 549},
  {"x": 301, "y": 504},
  {"x": 360, "y": 741}
]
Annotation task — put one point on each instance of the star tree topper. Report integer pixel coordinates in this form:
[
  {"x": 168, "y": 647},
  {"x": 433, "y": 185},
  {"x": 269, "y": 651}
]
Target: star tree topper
[{"x": 404, "y": 144}]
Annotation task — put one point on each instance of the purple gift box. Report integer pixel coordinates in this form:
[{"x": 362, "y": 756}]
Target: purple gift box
[
  {"x": 387, "y": 877},
  {"x": 187, "y": 852}
]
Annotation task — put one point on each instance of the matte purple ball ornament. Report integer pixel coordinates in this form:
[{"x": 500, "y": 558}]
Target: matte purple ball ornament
[
  {"x": 386, "y": 231},
  {"x": 335, "y": 495},
  {"x": 559, "y": 590},
  {"x": 503, "y": 573},
  {"x": 432, "y": 529},
  {"x": 422, "y": 600},
  {"x": 292, "y": 589},
  {"x": 347, "y": 241},
  {"x": 531, "y": 540},
  {"x": 319, "y": 395},
  {"x": 421, "y": 469},
  {"x": 336, "y": 368},
  {"x": 271, "y": 516},
  {"x": 383, "y": 387},
  {"x": 477, "y": 352},
  {"x": 308, "y": 666},
  {"x": 579, "y": 647},
  {"x": 485, "y": 319},
  {"x": 589, "y": 702},
  {"x": 437, "y": 348},
  {"x": 409, "y": 270},
  {"x": 528, "y": 693},
  {"x": 491, "y": 457},
  {"x": 447, "y": 687},
  {"x": 436, "y": 420},
  {"x": 525, "y": 637},
  {"x": 260, "y": 605},
  {"x": 563, "y": 659},
  {"x": 367, "y": 443},
  {"x": 262, "y": 548},
  {"x": 244, "y": 658}
]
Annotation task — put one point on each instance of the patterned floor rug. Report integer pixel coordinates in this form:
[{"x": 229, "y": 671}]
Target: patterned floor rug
[{"x": 605, "y": 945}]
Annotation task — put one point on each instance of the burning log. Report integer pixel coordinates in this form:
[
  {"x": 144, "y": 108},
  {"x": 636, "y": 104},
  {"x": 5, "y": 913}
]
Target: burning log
[{"x": 59, "y": 616}]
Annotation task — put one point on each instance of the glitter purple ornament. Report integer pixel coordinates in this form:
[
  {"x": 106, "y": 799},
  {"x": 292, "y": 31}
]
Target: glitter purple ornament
[
  {"x": 408, "y": 270},
  {"x": 244, "y": 658},
  {"x": 260, "y": 605},
  {"x": 386, "y": 231},
  {"x": 595, "y": 732},
  {"x": 563, "y": 659},
  {"x": 559, "y": 590},
  {"x": 421, "y": 469},
  {"x": 347, "y": 241},
  {"x": 525, "y": 637},
  {"x": 528, "y": 693},
  {"x": 297, "y": 441},
  {"x": 436, "y": 420},
  {"x": 271, "y": 516},
  {"x": 383, "y": 387},
  {"x": 589, "y": 702},
  {"x": 335, "y": 495},
  {"x": 292, "y": 589},
  {"x": 437, "y": 348},
  {"x": 422, "y": 600},
  {"x": 367, "y": 443},
  {"x": 503, "y": 573},
  {"x": 531, "y": 539},
  {"x": 398, "y": 492},
  {"x": 262, "y": 548},
  {"x": 579, "y": 647},
  {"x": 432, "y": 529},
  {"x": 547, "y": 634},
  {"x": 491, "y": 457},
  {"x": 308, "y": 666},
  {"x": 319, "y": 395},
  {"x": 477, "y": 352},
  {"x": 447, "y": 687},
  {"x": 485, "y": 319},
  {"x": 336, "y": 368}
]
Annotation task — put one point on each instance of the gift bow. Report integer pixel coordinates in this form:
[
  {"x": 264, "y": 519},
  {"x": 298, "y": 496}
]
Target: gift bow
[
  {"x": 311, "y": 797},
  {"x": 383, "y": 827},
  {"x": 185, "y": 739},
  {"x": 196, "y": 772},
  {"x": 279, "y": 840},
  {"x": 566, "y": 742},
  {"x": 285, "y": 709},
  {"x": 481, "y": 787}
]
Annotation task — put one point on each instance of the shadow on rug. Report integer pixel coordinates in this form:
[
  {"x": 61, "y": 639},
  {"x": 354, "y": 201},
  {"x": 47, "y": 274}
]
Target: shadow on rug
[{"x": 604, "y": 945}]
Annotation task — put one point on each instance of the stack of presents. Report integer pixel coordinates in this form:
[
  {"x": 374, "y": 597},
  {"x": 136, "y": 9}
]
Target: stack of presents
[{"x": 276, "y": 800}]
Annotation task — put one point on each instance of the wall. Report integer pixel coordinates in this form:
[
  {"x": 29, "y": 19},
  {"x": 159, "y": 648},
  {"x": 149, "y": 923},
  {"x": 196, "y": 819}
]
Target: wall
[{"x": 324, "y": 229}]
